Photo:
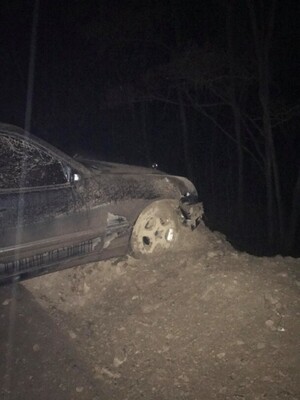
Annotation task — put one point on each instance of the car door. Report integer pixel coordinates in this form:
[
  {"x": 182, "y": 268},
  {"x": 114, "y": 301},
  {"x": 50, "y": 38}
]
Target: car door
[{"x": 43, "y": 216}]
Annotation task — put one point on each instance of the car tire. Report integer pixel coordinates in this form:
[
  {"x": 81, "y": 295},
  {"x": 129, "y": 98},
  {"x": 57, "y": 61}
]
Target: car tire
[{"x": 156, "y": 230}]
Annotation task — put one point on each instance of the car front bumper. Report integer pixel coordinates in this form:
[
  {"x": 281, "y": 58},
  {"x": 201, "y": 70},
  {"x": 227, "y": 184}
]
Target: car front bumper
[{"x": 191, "y": 211}]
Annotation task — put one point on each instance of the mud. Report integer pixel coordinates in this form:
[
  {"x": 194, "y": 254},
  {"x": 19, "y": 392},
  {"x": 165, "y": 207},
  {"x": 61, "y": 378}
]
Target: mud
[{"x": 204, "y": 322}]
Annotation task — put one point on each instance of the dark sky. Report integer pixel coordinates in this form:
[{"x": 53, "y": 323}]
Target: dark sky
[{"x": 83, "y": 46}]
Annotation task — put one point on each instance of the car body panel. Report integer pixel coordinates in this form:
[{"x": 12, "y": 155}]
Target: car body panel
[{"x": 83, "y": 210}]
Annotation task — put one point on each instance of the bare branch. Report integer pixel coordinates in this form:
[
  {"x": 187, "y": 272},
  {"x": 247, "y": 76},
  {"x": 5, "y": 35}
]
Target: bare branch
[{"x": 227, "y": 134}]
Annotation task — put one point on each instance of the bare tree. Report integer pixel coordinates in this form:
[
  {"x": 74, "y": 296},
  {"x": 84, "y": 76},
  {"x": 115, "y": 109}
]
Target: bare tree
[
  {"x": 262, "y": 29},
  {"x": 235, "y": 110}
]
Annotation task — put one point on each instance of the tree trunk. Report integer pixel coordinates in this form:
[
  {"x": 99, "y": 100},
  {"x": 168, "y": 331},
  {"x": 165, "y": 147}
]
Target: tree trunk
[
  {"x": 268, "y": 166},
  {"x": 185, "y": 136},
  {"x": 294, "y": 218},
  {"x": 212, "y": 180},
  {"x": 262, "y": 41},
  {"x": 236, "y": 115},
  {"x": 147, "y": 153},
  {"x": 139, "y": 124},
  {"x": 31, "y": 68}
]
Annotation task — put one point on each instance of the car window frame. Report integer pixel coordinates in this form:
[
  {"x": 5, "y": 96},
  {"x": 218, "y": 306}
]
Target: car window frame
[{"x": 62, "y": 158}]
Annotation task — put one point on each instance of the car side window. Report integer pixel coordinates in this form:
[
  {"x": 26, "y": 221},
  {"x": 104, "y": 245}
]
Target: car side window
[{"x": 24, "y": 165}]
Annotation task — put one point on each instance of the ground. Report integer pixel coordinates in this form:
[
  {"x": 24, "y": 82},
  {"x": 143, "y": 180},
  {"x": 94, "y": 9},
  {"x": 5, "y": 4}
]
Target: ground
[{"x": 203, "y": 322}]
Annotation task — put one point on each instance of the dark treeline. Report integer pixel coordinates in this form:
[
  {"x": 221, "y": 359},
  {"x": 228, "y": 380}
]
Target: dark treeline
[{"x": 207, "y": 89}]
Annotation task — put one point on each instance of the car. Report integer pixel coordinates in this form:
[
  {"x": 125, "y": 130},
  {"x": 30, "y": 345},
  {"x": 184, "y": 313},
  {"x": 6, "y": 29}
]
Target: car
[{"x": 57, "y": 211}]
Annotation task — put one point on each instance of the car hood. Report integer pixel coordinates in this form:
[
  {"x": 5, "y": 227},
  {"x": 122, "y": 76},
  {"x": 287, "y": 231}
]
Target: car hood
[
  {"x": 96, "y": 166},
  {"x": 178, "y": 183}
]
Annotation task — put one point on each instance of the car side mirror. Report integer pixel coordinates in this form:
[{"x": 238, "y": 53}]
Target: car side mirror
[
  {"x": 70, "y": 174},
  {"x": 76, "y": 177}
]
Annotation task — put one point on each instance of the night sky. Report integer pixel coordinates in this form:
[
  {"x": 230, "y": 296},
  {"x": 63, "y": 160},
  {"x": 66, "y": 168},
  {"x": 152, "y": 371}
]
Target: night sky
[{"x": 170, "y": 82}]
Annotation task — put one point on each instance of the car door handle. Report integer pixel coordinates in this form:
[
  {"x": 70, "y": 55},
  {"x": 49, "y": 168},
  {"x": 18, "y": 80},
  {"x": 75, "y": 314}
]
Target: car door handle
[{"x": 2, "y": 210}]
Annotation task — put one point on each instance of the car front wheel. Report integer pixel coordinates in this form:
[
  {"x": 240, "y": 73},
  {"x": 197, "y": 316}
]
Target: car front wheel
[{"x": 156, "y": 229}]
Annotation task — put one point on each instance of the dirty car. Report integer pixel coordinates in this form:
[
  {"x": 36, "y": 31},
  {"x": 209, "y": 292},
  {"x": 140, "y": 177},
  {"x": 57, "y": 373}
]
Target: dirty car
[{"x": 57, "y": 211}]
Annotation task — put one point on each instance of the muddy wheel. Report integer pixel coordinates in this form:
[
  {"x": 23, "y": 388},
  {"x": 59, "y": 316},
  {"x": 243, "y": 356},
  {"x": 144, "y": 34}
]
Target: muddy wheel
[{"x": 156, "y": 229}]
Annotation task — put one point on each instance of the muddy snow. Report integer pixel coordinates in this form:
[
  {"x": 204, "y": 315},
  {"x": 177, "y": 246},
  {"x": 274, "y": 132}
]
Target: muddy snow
[{"x": 204, "y": 322}]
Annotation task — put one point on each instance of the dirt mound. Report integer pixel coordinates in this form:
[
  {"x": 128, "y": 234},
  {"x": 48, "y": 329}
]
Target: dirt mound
[{"x": 204, "y": 322}]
